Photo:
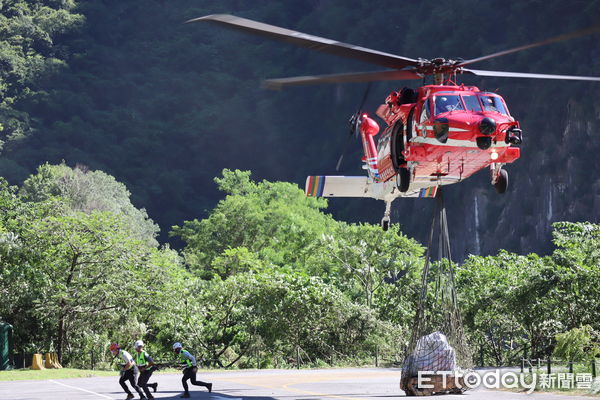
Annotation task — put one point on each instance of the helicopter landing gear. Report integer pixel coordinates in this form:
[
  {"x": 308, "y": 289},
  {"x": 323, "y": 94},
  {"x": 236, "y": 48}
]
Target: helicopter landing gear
[
  {"x": 385, "y": 221},
  {"x": 499, "y": 178},
  {"x": 501, "y": 182},
  {"x": 403, "y": 179}
]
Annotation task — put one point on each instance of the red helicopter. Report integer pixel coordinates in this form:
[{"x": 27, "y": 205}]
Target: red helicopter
[{"x": 436, "y": 135}]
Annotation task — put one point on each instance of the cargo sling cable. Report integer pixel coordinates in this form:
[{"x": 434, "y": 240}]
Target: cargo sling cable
[{"x": 438, "y": 317}]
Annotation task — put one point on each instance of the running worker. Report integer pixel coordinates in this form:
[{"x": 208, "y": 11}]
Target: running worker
[
  {"x": 128, "y": 372},
  {"x": 145, "y": 364},
  {"x": 189, "y": 370}
]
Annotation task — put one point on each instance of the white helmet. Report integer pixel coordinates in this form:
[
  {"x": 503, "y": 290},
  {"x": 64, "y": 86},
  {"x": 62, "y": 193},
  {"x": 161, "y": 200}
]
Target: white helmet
[
  {"x": 177, "y": 345},
  {"x": 138, "y": 343}
]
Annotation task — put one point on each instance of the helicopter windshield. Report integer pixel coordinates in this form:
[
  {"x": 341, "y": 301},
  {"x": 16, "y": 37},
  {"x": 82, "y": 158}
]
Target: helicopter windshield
[
  {"x": 493, "y": 103},
  {"x": 472, "y": 103},
  {"x": 447, "y": 102}
]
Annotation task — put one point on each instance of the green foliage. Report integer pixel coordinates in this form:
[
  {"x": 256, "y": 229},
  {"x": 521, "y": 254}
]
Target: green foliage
[
  {"x": 266, "y": 275},
  {"x": 71, "y": 279},
  {"x": 576, "y": 345},
  {"x": 89, "y": 191},
  {"x": 30, "y": 52},
  {"x": 274, "y": 313},
  {"x": 89, "y": 265},
  {"x": 275, "y": 222},
  {"x": 365, "y": 258},
  {"x": 515, "y": 305},
  {"x": 578, "y": 244}
]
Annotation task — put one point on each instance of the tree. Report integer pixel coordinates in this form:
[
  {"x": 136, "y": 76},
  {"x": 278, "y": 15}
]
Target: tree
[
  {"x": 576, "y": 345},
  {"x": 71, "y": 278},
  {"x": 32, "y": 52},
  {"x": 514, "y": 303},
  {"x": 90, "y": 265},
  {"x": 88, "y": 191},
  {"x": 575, "y": 273},
  {"x": 366, "y": 257},
  {"x": 20, "y": 281},
  {"x": 487, "y": 288},
  {"x": 273, "y": 220},
  {"x": 276, "y": 313}
]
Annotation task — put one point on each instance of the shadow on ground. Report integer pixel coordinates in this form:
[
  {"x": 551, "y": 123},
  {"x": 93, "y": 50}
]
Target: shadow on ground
[{"x": 170, "y": 394}]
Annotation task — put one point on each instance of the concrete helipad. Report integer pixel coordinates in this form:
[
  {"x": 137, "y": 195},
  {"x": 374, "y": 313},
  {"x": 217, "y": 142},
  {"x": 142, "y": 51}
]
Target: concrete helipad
[{"x": 341, "y": 384}]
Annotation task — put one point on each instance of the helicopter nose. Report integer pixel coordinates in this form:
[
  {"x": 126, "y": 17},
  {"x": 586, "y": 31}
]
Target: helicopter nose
[{"x": 487, "y": 126}]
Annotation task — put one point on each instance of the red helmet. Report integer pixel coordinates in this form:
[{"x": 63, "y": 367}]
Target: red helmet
[{"x": 114, "y": 347}]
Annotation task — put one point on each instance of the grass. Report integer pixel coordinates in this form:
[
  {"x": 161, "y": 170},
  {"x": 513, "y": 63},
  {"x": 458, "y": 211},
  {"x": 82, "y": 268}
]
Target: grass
[
  {"x": 64, "y": 373},
  {"x": 32, "y": 374}
]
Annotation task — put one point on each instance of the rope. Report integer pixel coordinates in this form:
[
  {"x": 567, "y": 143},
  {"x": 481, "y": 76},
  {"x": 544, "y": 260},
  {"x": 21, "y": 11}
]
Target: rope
[{"x": 440, "y": 313}]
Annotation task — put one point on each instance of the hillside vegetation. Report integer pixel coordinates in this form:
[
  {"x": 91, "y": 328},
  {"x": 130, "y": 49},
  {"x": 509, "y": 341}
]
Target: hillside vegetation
[
  {"x": 127, "y": 88},
  {"x": 267, "y": 274},
  {"x": 115, "y": 119}
]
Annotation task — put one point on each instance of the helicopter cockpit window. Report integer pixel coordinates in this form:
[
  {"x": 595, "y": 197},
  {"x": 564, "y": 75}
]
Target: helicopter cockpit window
[
  {"x": 424, "y": 112},
  {"x": 445, "y": 103},
  {"x": 472, "y": 103},
  {"x": 493, "y": 103}
]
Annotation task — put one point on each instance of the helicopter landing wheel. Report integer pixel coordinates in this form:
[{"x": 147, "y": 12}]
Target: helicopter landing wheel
[
  {"x": 501, "y": 182},
  {"x": 385, "y": 221},
  {"x": 385, "y": 225},
  {"x": 403, "y": 179}
]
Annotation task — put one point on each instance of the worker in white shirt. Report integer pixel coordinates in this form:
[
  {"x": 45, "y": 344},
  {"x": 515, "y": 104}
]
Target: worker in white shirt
[
  {"x": 189, "y": 370},
  {"x": 129, "y": 371}
]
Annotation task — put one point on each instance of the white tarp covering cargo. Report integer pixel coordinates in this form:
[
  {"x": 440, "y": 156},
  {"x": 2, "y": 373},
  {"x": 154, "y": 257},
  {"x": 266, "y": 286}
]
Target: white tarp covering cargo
[{"x": 432, "y": 353}]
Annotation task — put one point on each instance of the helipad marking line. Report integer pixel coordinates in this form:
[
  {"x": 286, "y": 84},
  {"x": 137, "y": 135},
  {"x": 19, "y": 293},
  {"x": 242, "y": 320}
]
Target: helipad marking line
[
  {"x": 226, "y": 398},
  {"x": 83, "y": 390}
]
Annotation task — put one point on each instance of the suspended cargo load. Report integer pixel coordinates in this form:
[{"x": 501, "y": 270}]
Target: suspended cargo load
[{"x": 433, "y": 362}]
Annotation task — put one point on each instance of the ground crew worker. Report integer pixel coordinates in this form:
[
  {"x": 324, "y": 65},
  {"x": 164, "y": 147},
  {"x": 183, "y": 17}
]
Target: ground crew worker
[
  {"x": 128, "y": 372},
  {"x": 189, "y": 370},
  {"x": 145, "y": 364}
]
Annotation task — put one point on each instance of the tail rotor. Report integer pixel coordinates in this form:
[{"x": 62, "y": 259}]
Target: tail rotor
[{"x": 355, "y": 121}]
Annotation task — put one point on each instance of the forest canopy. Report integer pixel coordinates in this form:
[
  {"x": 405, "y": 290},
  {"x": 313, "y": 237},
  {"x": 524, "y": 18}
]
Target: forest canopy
[
  {"x": 266, "y": 274},
  {"x": 128, "y": 210}
]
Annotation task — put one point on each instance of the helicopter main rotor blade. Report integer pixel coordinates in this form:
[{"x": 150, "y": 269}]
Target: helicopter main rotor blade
[
  {"x": 342, "y": 78},
  {"x": 339, "y": 163},
  {"x": 559, "y": 38},
  {"x": 365, "y": 97},
  {"x": 505, "y": 74},
  {"x": 309, "y": 41}
]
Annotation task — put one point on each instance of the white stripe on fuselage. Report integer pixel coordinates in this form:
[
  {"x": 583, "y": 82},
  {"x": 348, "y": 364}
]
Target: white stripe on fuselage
[
  {"x": 450, "y": 129},
  {"x": 452, "y": 142}
]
